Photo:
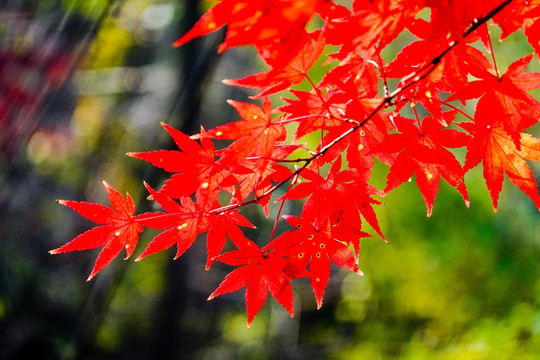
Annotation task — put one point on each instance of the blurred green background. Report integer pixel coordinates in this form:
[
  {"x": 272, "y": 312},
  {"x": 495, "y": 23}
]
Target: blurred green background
[{"x": 84, "y": 82}]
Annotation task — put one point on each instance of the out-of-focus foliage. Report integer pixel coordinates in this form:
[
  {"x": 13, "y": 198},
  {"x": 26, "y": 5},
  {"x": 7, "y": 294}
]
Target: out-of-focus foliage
[{"x": 95, "y": 78}]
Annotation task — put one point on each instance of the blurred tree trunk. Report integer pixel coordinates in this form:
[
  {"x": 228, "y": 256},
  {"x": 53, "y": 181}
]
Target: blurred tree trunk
[{"x": 197, "y": 61}]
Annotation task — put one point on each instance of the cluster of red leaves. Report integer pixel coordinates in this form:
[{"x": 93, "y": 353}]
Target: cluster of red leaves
[{"x": 358, "y": 118}]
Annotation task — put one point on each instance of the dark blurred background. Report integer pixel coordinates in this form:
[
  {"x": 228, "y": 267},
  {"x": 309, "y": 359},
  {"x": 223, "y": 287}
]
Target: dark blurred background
[{"x": 84, "y": 82}]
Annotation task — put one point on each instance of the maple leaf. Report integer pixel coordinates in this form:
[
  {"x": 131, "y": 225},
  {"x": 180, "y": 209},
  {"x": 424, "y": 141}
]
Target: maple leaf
[
  {"x": 323, "y": 108},
  {"x": 422, "y": 149},
  {"x": 354, "y": 72},
  {"x": 499, "y": 154},
  {"x": 508, "y": 94},
  {"x": 293, "y": 73},
  {"x": 257, "y": 173},
  {"x": 220, "y": 226},
  {"x": 261, "y": 271},
  {"x": 452, "y": 69},
  {"x": 359, "y": 143},
  {"x": 118, "y": 228},
  {"x": 181, "y": 223},
  {"x": 254, "y": 135},
  {"x": 344, "y": 192},
  {"x": 317, "y": 243},
  {"x": 272, "y": 26},
  {"x": 370, "y": 25},
  {"x": 215, "y": 18},
  {"x": 521, "y": 14},
  {"x": 455, "y": 16},
  {"x": 193, "y": 168}
]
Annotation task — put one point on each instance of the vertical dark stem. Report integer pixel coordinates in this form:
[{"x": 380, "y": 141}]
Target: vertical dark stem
[{"x": 196, "y": 63}]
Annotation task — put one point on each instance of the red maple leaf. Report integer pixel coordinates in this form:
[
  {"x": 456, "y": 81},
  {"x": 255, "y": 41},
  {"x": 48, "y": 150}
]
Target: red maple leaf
[
  {"x": 497, "y": 150},
  {"x": 313, "y": 111},
  {"x": 118, "y": 228},
  {"x": 273, "y": 26},
  {"x": 316, "y": 243},
  {"x": 370, "y": 24},
  {"x": 181, "y": 222},
  {"x": 508, "y": 93},
  {"x": 257, "y": 173},
  {"x": 422, "y": 149},
  {"x": 455, "y": 16},
  {"x": 293, "y": 73},
  {"x": 521, "y": 14},
  {"x": 345, "y": 192},
  {"x": 452, "y": 69},
  {"x": 219, "y": 227},
  {"x": 254, "y": 135},
  {"x": 194, "y": 167},
  {"x": 361, "y": 142},
  {"x": 353, "y": 73},
  {"x": 262, "y": 271}
]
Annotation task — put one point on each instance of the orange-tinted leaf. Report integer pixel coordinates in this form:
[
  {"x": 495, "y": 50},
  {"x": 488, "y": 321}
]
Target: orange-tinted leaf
[{"x": 498, "y": 152}]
